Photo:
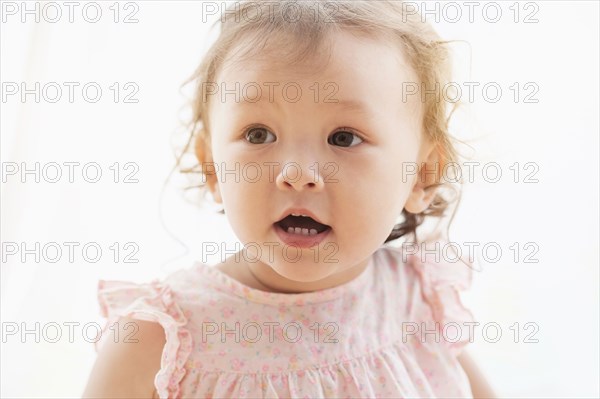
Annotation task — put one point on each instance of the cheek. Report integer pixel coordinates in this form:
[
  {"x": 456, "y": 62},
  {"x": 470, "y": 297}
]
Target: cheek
[
  {"x": 245, "y": 194},
  {"x": 241, "y": 196},
  {"x": 245, "y": 208},
  {"x": 372, "y": 191},
  {"x": 377, "y": 179}
]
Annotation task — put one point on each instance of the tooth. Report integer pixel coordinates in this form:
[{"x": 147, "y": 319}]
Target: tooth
[{"x": 302, "y": 231}]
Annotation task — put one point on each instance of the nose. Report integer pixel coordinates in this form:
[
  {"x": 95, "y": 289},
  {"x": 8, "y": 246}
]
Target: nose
[{"x": 293, "y": 176}]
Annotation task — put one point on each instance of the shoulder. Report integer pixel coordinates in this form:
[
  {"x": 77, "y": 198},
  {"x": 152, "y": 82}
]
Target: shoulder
[
  {"x": 440, "y": 278},
  {"x": 127, "y": 365},
  {"x": 147, "y": 337},
  {"x": 393, "y": 266},
  {"x": 397, "y": 280}
]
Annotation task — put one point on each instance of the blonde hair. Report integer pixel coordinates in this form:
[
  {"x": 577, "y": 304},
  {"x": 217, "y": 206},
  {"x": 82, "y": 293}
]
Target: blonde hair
[{"x": 309, "y": 25}]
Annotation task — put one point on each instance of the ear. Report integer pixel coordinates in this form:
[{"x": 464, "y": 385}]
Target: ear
[
  {"x": 426, "y": 179},
  {"x": 205, "y": 159}
]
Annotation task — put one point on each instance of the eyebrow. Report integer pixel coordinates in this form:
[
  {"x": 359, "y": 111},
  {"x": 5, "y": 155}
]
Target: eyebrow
[
  {"x": 352, "y": 105},
  {"x": 347, "y": 105}
]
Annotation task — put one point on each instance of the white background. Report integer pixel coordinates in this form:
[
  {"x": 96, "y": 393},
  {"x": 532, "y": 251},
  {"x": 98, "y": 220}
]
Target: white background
[{"x": 559, "y": 213}]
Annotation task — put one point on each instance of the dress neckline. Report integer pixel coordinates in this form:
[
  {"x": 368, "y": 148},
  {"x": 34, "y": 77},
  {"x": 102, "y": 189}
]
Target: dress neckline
[{"x": 279, "y": 298}]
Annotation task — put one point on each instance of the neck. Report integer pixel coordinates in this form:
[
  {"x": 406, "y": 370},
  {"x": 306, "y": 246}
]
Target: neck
[{"x": 267, "y": 279}]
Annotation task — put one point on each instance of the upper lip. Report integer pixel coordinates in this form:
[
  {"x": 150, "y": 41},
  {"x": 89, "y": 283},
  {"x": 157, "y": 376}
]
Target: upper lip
[{"x": 300, "y": 211}]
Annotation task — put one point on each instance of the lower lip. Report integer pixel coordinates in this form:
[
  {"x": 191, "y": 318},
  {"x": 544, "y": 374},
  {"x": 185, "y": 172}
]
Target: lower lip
[{"x": 299, "y": 240}]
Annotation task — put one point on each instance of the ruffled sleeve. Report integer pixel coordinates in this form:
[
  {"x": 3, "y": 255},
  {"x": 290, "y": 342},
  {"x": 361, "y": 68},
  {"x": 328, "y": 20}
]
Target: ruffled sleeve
[
  {"x": 151, "y": 302},
  {"x": 441, "y": 282}
]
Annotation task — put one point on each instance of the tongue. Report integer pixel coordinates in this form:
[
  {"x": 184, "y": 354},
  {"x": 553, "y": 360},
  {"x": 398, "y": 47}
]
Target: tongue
[{"x": 303, "y": 222}]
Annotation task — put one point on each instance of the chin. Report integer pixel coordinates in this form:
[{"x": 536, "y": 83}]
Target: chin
[{"x": 303, "y": 271}]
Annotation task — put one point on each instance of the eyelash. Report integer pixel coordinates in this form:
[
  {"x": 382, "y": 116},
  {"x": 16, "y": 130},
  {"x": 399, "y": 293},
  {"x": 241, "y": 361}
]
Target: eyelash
[{"x": 342, "y": 129}]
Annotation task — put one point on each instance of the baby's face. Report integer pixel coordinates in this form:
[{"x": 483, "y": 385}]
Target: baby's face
[{"x": 342, "y": 161}]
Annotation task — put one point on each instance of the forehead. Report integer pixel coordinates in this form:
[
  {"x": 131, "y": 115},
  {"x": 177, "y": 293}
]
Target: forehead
[{"x": 355, "y": 67}]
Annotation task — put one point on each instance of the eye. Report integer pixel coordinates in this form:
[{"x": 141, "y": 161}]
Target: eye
[
  {"x": 258, "y": 135},
  {"x": 344, "y": 138}
]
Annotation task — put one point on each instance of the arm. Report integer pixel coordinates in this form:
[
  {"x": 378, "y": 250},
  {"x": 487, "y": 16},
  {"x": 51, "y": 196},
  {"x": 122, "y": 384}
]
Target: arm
[
  {"x": 479, "y": 385},
  {"x": 127, "y": 370}
]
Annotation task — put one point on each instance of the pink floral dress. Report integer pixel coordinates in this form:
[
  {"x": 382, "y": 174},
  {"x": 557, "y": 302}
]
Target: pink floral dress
[{"x": 394, "y": 331}]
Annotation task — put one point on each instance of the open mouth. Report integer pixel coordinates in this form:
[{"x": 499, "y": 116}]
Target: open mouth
[{"x": 302, "y": 225}]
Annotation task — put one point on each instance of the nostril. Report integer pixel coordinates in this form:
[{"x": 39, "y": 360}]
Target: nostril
[
  {"x": 287, "y": 183},
  {"x": 298, "y": 184}
]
